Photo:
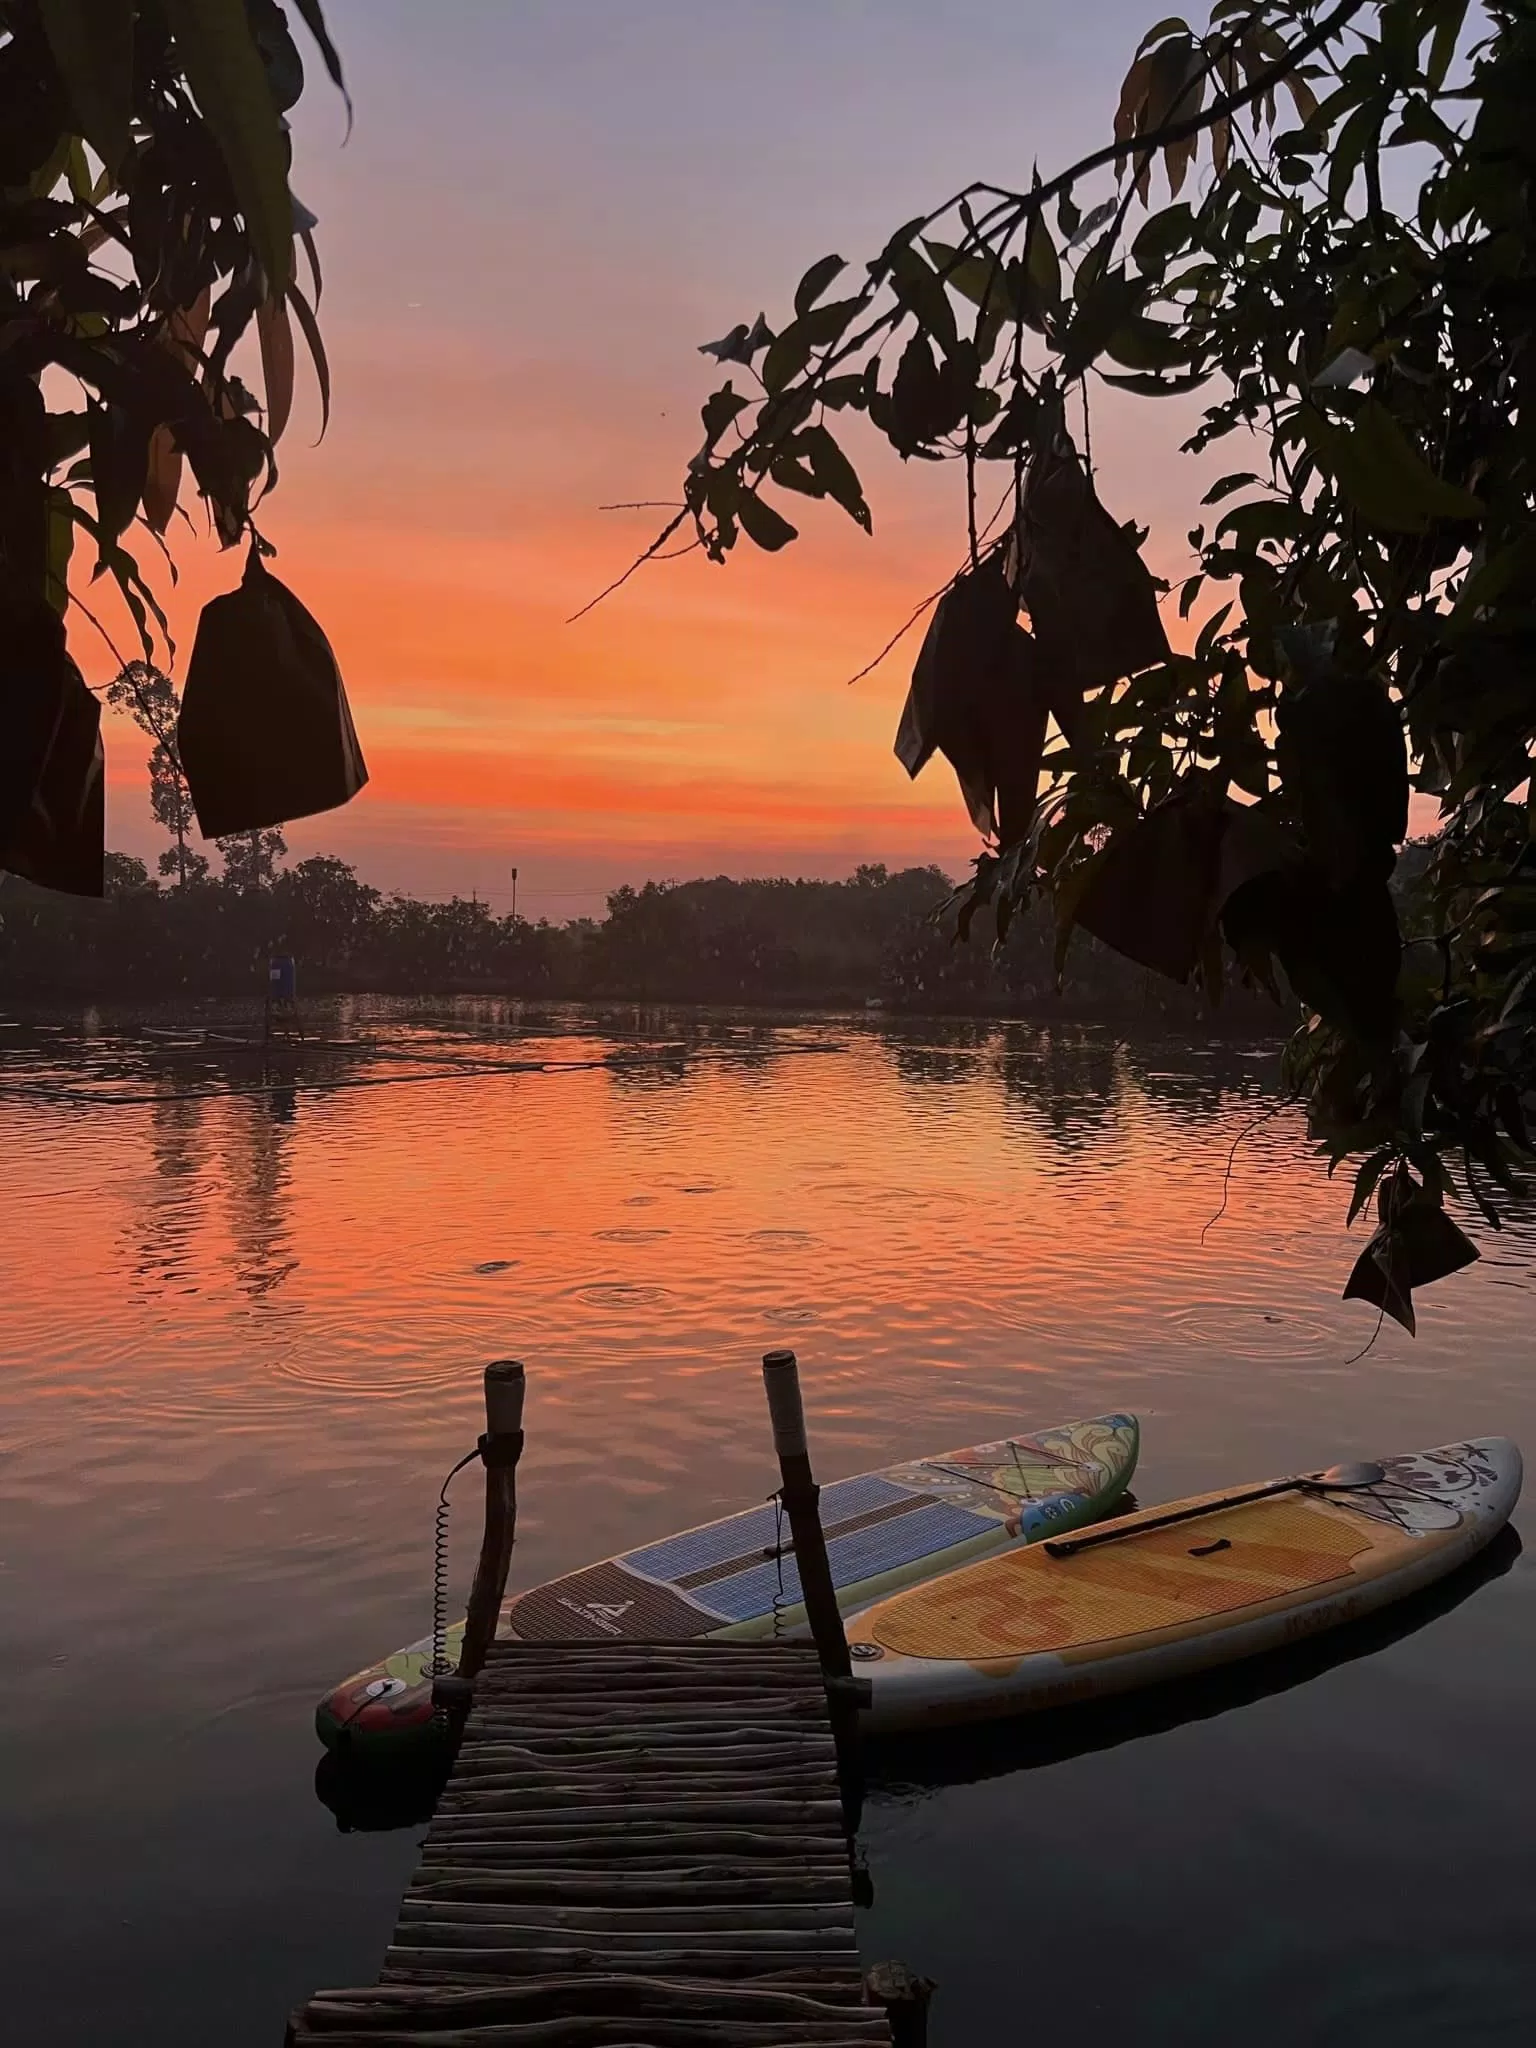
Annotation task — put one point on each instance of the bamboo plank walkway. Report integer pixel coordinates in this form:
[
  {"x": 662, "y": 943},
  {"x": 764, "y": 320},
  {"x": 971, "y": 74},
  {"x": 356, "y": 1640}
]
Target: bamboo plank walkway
[{"x": 640, "y": 1846}]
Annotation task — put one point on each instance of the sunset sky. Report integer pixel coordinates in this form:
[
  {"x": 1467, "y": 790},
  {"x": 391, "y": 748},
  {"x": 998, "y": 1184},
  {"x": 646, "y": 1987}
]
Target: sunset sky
[{"x": 543, "y": 208}]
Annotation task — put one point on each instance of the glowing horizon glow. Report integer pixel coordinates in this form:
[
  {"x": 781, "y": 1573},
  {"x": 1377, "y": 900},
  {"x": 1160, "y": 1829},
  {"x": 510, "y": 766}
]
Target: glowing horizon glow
[{"x": 540, "y": 214}]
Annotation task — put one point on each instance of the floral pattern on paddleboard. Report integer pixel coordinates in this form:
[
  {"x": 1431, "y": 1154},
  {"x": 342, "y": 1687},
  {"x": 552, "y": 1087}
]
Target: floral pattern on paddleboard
[
  {"x": 1029, "y": 1482},
  {"x": 1426, "y": 1490}
]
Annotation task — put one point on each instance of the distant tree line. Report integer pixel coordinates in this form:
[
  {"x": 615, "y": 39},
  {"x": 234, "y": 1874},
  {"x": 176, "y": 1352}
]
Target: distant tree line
[{"x": 876, "y": 937}]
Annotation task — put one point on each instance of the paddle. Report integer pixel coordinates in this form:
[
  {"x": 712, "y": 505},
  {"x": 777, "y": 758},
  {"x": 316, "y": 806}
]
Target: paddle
[{"x": 1337, "y": 1479}]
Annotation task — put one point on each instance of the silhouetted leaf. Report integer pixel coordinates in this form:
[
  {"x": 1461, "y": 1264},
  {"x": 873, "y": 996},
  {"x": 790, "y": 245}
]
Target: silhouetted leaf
[
  {"x": 280, "y": 57},
  {"x": 1161, "y": 238},
  {"x": 792, "y": 349},
  {"x": 1370, "y": 1171},
  {"x": 917, "y": 397},
  {"x": 92, "y": 44},
  {"x": 1103, "y": 307},
  {"x": 761, "y": 524},
  {"x": 309, "y": 326},
  {"x": 1142, "y": 344},
  {"x": 979, "y": 277},
  {"x": 1145, "y": 385},
  {"x": 815, "y": 282},
  {"x": 1381, "y": 474},
  {"x": 1041, "y": 295},
  {"x": 836, "y": 475},
  {"x": 119, "y": 463},
  {"x": 718, "y": 411},
  {"x": 276, "y": 336},
  {"x": 224, "y": 69},
  {"x": 1224, "y": 486},
  {"x": 741, "y": 344},
  {"x": 314, "y": 20},
  {"x": 919, "y": 290}
]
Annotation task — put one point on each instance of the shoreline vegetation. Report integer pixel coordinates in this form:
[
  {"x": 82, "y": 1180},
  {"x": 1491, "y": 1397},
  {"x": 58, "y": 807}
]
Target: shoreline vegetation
[{"x": 874, "y": 940}]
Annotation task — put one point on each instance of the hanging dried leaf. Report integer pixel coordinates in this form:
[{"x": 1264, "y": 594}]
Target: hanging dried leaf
[
  {"x": 1341, "y": 948},
  {"x": 966, "y": 636},
  {"x": 1090, "y": 597},
  {"x": 1415, "y": 1244},
  {"x": 1343, "y": 762},
  {"x": 1012, "y": 722},
  {"x": 265, "y": 732},
  {"x": 977, "y": 697},
  {"x": 1154, "y": 894}
]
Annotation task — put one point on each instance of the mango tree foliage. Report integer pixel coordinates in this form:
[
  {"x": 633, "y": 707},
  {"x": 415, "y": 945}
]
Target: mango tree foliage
[
  {"x": 147, "y": 227},
  {"x": 1319, "y": 218}
]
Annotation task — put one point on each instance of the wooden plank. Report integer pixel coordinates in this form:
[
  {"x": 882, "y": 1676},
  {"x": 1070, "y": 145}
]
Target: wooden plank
[
  {"x": 438, "y": 1966},
  {"x": 722, "y": 1881},
  {"x": 544, "y": 1997},
  {"x": 613, "y": 2033},
  {"x": 626, "y": 1919}
]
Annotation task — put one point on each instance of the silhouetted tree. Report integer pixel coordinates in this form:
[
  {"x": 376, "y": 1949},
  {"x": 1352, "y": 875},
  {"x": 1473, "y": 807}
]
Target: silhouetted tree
[
  {"x": 149, "y": 697},
  {"x": 251, "y": 858}
]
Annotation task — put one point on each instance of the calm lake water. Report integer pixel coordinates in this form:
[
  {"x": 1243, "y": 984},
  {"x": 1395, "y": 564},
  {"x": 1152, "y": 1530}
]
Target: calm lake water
[{"x": 242, "y": 1338}]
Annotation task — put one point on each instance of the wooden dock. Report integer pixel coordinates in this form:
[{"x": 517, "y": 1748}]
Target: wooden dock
[{"x": 640, "y": 1845}]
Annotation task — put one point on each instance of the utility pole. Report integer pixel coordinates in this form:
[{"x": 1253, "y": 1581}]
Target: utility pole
[{"x": 514, "y": 895}]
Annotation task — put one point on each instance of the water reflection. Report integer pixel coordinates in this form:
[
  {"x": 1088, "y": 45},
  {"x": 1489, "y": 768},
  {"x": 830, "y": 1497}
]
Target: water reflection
[
  {"x": 1066, "y": 1082},
  {"x": 166, "y": 1224},
  {"x": 229, "y": 1397},
  {"x": 259, "y": 1170}
]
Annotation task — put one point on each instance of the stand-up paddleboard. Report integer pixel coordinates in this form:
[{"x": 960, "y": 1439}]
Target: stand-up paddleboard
[
  {"x": 1168, "y": 1591},
  {"x": 736, "y": 1579}
]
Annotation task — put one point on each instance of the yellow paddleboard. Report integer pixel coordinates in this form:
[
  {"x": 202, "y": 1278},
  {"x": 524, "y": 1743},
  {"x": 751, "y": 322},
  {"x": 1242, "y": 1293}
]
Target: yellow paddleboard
[{"x": 1171, "y": 1590}]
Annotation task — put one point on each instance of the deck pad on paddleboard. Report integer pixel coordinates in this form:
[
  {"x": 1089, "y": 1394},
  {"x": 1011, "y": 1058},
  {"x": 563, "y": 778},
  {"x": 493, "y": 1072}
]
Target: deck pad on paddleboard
[
  {"x": 737, "y": 1578},
  {"x": 1167, "y": 1591}
]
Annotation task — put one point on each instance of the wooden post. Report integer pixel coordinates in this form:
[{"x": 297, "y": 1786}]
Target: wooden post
[
  {"x": 801, "y": 1495},
  {"x": 903, "y": 1997},
  {"x": 500, "y": 1449}
]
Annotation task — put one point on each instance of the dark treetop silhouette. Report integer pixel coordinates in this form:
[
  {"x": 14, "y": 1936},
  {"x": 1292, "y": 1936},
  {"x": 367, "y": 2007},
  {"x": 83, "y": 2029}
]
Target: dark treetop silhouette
[
  {"x": 787, "y": 943},
  {"x": 1362, "y": 327}
]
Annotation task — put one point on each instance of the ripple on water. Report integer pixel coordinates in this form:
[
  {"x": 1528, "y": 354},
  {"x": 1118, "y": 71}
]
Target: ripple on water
[
  {"x": 496, "y": 1265},
  {"x": 376, "y": 1377},
  {"x": 792, "y": 1318},
  {"x": 620, "y": 1294},
  {"x": 1246, "y": 1331},
  {"x": 631, "y": 1236},
  {"x": 783, "y": 1240}
]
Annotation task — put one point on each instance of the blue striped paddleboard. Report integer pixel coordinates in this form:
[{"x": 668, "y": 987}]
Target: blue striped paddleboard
[{"x": 736, "y": 1579}]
